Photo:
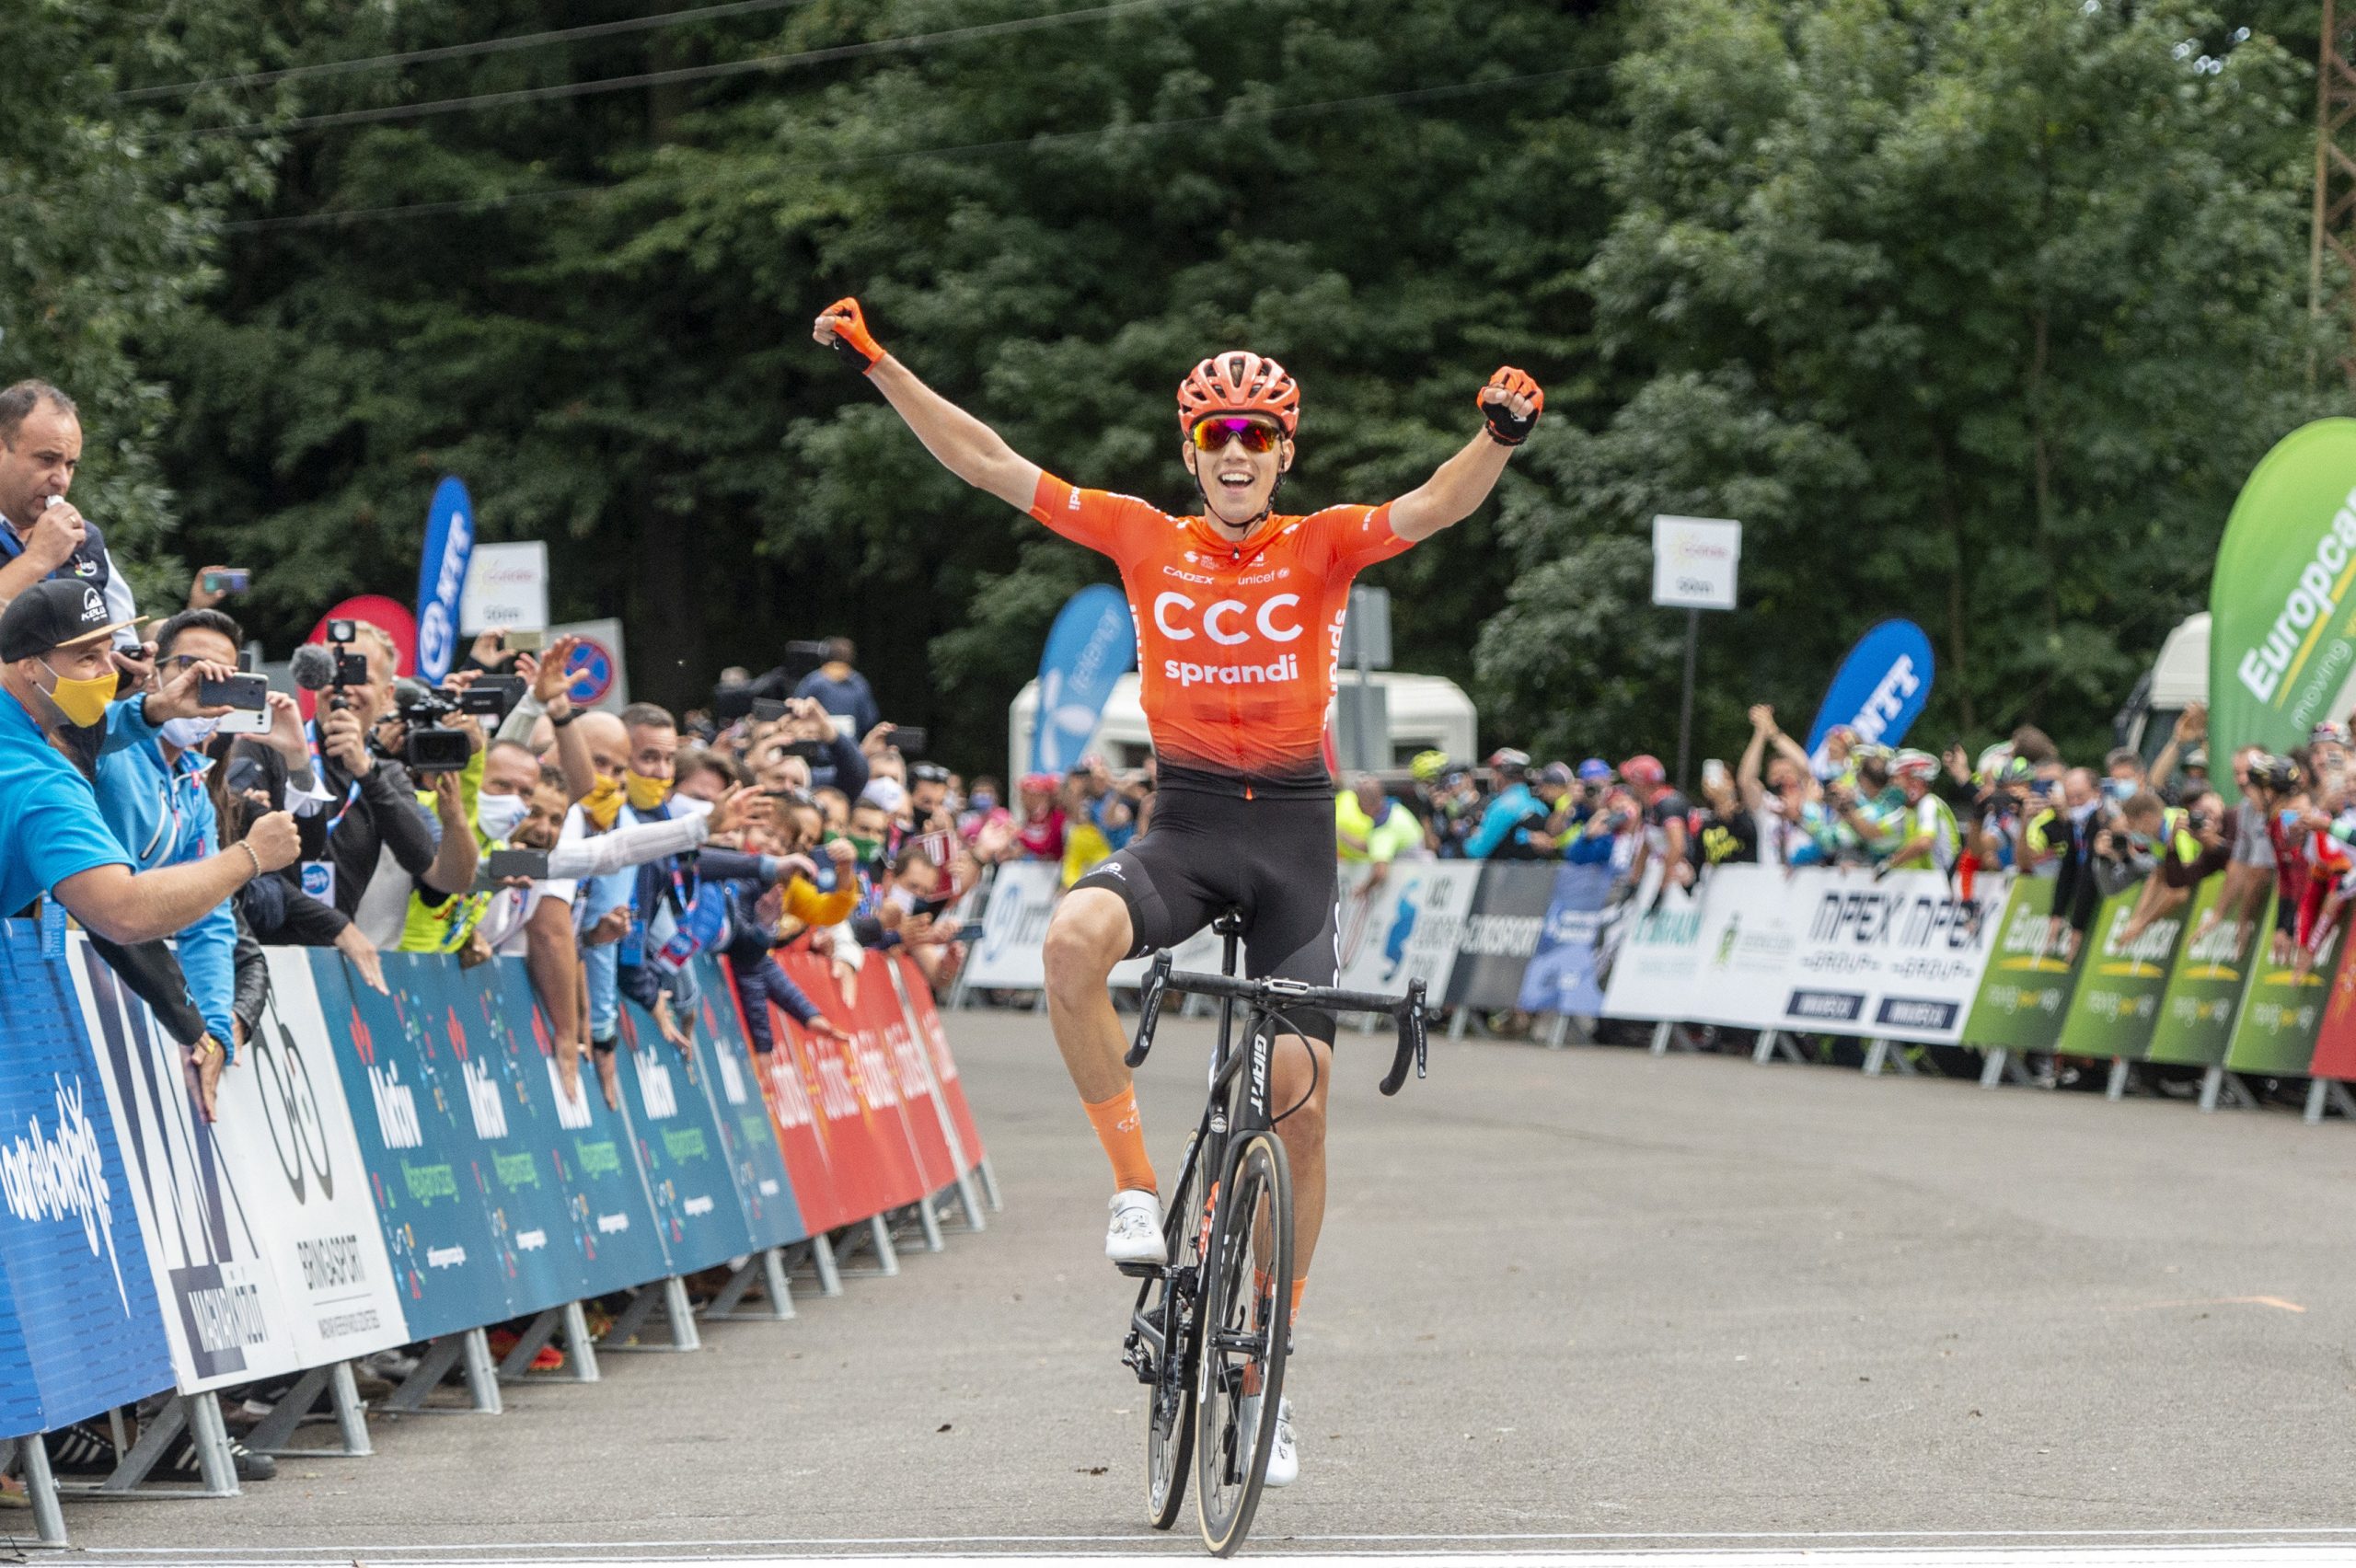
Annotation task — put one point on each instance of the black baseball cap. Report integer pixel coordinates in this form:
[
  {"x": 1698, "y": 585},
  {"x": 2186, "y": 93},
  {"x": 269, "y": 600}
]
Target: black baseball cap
[{"x": 57, "y": 612}]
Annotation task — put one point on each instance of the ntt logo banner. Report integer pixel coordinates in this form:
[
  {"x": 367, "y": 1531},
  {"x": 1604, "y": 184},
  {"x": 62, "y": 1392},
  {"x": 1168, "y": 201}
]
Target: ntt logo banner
[{"x": 2281, "y": 649}]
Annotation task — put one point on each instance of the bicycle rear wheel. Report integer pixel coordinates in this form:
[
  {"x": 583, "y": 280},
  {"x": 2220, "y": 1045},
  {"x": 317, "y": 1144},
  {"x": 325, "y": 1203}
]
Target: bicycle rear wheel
[
  {"x": 1170, "y": 1402},
  {"x": 1246, "y": 1331}
]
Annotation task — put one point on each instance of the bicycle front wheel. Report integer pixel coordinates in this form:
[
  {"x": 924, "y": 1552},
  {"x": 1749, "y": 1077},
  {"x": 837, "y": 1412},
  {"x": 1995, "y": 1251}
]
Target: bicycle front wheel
[
  {"x": 1247, "y": 1305},
  {"x": 1176, "y": 1311}
]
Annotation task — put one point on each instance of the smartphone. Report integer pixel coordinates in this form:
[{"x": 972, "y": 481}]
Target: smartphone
[
  {"x": 237, "y": 691},
  {"x": 243, "y": 721},
  {"x": 809, "y": 751},
  {"x": 768, "y": 709},
  {"x": 1714, "y": 773},
  {"x": 229, "y": 579},
  {"x": 908, "y": 740},
  {"x": 506, "y": 863},
  {"x": 523, "y": 641}
]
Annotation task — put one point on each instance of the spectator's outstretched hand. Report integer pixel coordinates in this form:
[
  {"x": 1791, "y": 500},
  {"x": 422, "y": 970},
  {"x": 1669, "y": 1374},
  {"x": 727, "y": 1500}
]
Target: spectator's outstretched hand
[
  {"x": 546, "y": 671},
  {"x": 2192, "y": 724},
  {"x": 200, "y": 598},
  {"x": 1762, "y": 717},
  {"x": 354, "y": 945},
  {"x": 611, "y": 926},
  {"x": 202, "y": 1063},
  {"x": 742, "y": 806},
  {"x": 668, "y": 1022},
  {"x": 274, "y": 841}
]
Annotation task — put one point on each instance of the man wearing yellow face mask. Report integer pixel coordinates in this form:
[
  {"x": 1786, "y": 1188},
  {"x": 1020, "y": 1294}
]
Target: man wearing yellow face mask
[{"x": 55, "y": 677}]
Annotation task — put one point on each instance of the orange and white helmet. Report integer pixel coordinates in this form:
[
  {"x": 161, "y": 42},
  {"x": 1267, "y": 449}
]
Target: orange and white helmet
[{"x": 1237, "y": 381}]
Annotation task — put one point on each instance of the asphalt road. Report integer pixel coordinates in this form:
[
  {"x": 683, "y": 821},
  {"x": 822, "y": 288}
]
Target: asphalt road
[{"x": 1584, "y": 1302}]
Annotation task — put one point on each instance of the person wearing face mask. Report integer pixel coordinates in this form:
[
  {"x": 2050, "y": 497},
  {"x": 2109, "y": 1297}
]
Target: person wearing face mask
[{"x": 56, "y": 676}]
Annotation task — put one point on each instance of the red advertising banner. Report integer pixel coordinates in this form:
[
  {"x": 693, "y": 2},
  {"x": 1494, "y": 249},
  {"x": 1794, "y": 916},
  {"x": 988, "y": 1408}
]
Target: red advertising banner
[
  {"x": 888, "y": 1048},
  {"x": 934, "y": 1038},
  {"x": 2334, "y": 1054},
  {"x": 858, "y": 1101},
  {"x": 818, "y": 1189}
]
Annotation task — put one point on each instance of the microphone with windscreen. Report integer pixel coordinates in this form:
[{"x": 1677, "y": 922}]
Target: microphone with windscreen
[{"x": 330, "y": 670}]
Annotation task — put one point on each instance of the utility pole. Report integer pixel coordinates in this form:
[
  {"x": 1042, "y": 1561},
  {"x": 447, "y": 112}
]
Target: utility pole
[{"x": 2335, "y": 194}]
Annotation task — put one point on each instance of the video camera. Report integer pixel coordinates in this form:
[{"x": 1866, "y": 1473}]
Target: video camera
[{"x": 432, "y": 746}]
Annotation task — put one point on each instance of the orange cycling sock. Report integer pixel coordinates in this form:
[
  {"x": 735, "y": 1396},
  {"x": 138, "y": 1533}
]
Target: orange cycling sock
[
  {"x": 1121, "y": 1130},
  {"x": 1298, "y": 1286}
]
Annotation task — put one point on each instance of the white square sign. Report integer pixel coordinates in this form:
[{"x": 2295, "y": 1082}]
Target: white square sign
[
  {"x": 1693, "y": 562},
  {"x": 507, "y": 589}
]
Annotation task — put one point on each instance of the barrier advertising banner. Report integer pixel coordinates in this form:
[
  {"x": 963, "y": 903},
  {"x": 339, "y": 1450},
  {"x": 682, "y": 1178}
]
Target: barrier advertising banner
[
  {"x": 1405, "y": 927},
  {"x": 610, "y": 1221},
  {"x": 412, "y": 1115},
  {"x": 1657, "y": 966},
  {"x": 680, "y": 1148},
  {"x": 2278, "y": 651},
  {"x": 2334, "y": 1054},
  {"x": 1009, "y": 953},
  {"x": 1500, "y": 935},
  {"x": 81, "y": 1329},
  {"x": 1880, "y": 689},
  {"x": 890, "y": 1060},
  {"x": 864, "y": 1179},
  {"x": 2204, "y": 991},
  {"x": 763, "y": 1185},
  {"x": 1562, "y": 976},
  {"x": 934, "y": 1036},
  {"x": 296, "y": 1156},
  {"x": 223, "y": 1310},
  {"x": 2274, "y": 1032},
  {"x": 2024, "y": 992},
  {"x": 2117, "y": 1003},
  {"x": 824, "y": 1200}
]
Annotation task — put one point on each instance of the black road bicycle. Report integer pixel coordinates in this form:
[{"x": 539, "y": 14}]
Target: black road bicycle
[{"x": 1204, "y": 1337}]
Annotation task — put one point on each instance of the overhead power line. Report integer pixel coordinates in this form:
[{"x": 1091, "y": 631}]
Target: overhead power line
[
  {"x": 1055, "y": 139},
  {"x": 459, "y": 50},
  {"x": 910, "y": 43}
]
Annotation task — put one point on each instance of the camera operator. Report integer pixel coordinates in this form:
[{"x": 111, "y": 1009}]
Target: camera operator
[
  {"x": 2085, "y": 816},
  {"x": 374, "y": 826},
  {"x": 249, "y": 780}
]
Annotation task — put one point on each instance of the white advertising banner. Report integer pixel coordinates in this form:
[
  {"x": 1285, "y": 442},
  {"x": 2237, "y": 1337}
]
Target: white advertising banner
[
  {"x": 1406, "y": 926},
  {"x": 1009, "y": 953},
  {"x": 507, "y": 589},
  {"x": 296, "y": 1158},
  {"x": 1896, "y": 957},
  {"x": 1695, "y": 562},
  {"x": 223, "y": 1312}
]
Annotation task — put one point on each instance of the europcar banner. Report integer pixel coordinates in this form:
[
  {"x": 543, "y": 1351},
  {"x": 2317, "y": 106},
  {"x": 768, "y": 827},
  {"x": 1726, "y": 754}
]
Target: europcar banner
[
  {"x": 1562, "y": 976},
  {"x": 2115, "y": 1005},
  {"x": 1500, "y": 935},
  {"x": 1091, "y": 645},
  {"x": 2274, "y": 1033},
  {"x": 441, "y": 578},
  {"x": 2278, "y": 650},
  {"x": 2204, "y": 990},
  {"x": 81, "y": 1330},
  {"x": 224, "y": 1314},
  {"x": 1881, "y": 687},
  {"x": 2024, "y": 992}
]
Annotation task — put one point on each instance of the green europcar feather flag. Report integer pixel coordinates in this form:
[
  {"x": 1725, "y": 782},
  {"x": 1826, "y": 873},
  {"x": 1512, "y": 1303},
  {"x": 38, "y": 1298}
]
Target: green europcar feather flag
[{"x": 2283, "y": 635}]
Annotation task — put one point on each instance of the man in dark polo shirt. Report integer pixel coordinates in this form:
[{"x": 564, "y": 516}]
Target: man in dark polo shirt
[{"x": 41, "y": 532}]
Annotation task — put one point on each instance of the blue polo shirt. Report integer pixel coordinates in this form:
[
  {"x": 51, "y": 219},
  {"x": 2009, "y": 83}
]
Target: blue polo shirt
[{"x": 50, "y": 825}]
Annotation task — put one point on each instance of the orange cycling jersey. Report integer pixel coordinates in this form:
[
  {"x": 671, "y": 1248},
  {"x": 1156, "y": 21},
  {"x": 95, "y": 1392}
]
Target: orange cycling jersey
[{"x": 1236, "y": 640}]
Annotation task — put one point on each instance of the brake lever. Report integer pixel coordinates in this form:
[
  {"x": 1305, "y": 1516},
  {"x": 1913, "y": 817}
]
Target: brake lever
[
  {"x": 1423, "y": 1033},
  {"x": 1156, "y": 981}
]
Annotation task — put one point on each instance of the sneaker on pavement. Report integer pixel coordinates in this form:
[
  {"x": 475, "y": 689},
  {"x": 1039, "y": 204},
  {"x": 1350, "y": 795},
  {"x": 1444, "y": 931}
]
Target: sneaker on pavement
[
  {"x": 81, "y": 1451},
  {"x": 1284, "y": 1454},
  {"x": 1133, "y": 1236},
  {"x": 180, "y": 1461}
]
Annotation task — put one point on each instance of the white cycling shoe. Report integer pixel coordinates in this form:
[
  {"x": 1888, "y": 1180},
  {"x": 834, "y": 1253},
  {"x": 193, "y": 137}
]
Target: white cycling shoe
[
  {"x": 1284, "y": 1454},
  {"x": 1133, "y": 1236}
]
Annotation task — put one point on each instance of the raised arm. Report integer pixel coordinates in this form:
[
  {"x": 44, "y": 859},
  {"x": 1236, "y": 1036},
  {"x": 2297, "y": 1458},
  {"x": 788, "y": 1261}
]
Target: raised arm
[
  {"x": 1510, "y": 404},
  {"x": 965, "y": 446}
]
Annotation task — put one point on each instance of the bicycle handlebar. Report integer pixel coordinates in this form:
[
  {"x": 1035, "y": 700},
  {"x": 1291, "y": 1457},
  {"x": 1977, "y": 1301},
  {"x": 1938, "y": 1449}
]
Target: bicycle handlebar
[{"x": 1407, "y": 1010}]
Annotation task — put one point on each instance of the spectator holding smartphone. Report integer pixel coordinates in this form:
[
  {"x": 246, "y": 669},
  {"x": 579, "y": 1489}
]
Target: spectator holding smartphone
[{"x": 837, "y": 688}]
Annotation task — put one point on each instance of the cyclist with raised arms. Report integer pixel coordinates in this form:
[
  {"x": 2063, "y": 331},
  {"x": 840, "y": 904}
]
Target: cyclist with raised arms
[{"x": 1238, "y": 618}]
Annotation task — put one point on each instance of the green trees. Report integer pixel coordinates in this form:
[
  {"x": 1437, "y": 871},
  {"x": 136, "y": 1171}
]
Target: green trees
[
  {"x": 1977, "y": 313},
  {"x": 1973, "y": 313}
]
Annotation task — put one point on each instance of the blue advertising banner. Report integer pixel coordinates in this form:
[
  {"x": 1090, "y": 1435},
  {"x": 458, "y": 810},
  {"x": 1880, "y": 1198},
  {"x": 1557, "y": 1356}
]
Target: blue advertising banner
[
  {"x": 1091, "y": 645},
  {"x": 1561, "y": 976},
  {"x": 81, "y": 1330},
  {"x": 441, "y": 578},
  {"x": 1881, "y": 687},
  {"x": 411, "y": 1113},
  {"x": 743, "y": 1117},
  {"x": 610, "y": 1224},
  {"x": 680, "y": 1150}
]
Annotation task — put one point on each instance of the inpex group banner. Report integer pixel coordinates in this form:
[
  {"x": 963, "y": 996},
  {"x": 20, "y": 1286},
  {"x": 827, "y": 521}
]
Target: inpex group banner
[
  {"x": 81, "y": 1330},
  {"x": 2278, "y": 649},
  {"x": 1899, "y": 956}
]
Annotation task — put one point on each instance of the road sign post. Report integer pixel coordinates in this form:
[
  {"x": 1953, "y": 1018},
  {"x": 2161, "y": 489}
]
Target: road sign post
[{"x": 1694, "y": 566}]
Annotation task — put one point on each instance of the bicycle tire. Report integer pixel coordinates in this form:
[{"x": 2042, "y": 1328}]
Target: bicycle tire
[
  {"x": 1170, "y": 1404},
  {"x": 1243, "y": 1337}
]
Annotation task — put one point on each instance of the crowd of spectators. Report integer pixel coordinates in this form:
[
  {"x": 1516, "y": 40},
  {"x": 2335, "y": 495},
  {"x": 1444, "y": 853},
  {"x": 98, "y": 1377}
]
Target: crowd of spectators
[{"x": 188, "y": 818}]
